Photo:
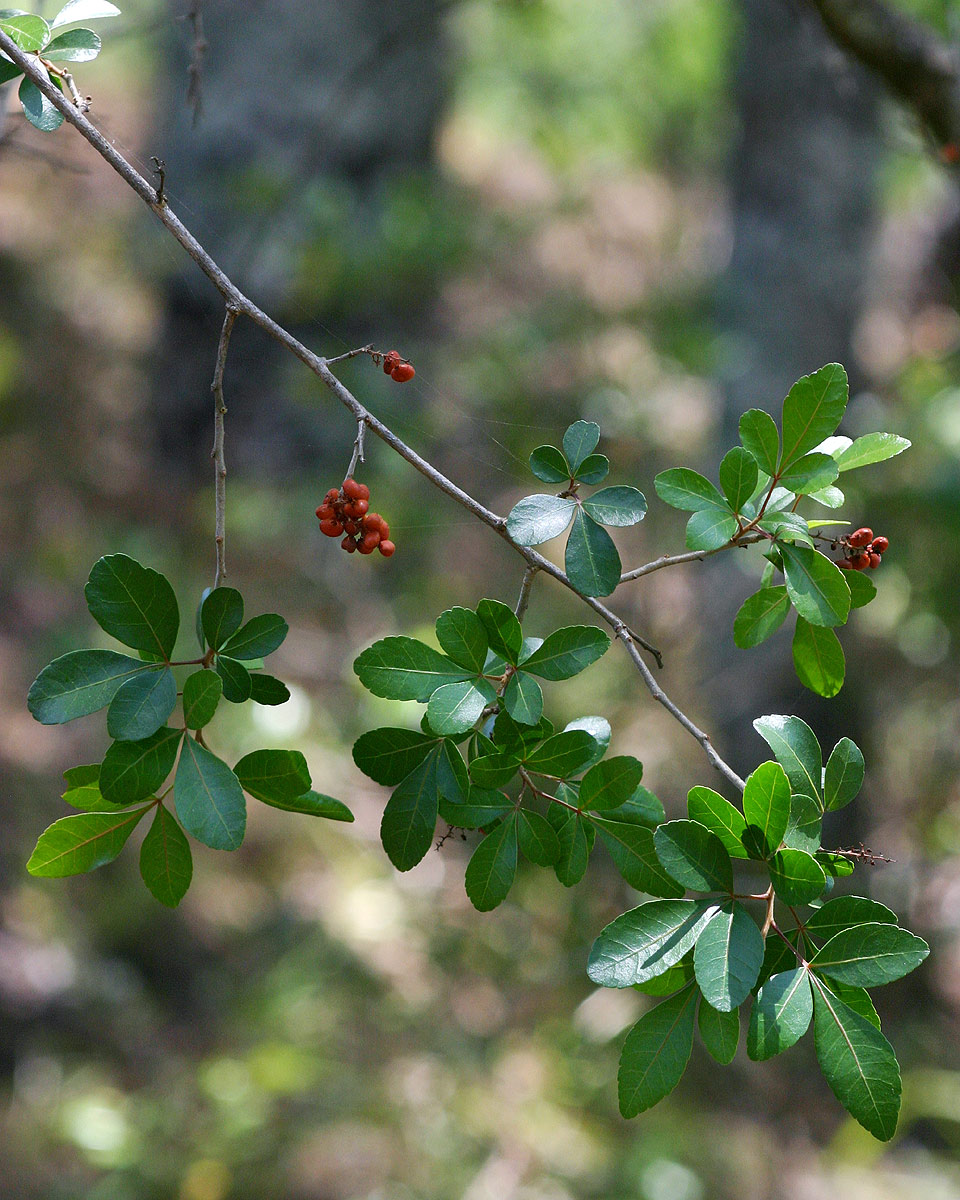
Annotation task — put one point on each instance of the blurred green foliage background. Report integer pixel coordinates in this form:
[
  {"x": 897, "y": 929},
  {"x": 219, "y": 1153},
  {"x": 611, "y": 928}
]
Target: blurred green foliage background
[{"x": 556, "y": 242}]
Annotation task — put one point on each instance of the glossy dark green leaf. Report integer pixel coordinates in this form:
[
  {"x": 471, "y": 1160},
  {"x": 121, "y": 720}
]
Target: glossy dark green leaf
[
  {"x": 610, "y": 783},
  {"x": 389, "y": 755},
  {"x": 835, "y": 865},
  {"x": 694, "y": 856},
  {"x": 562, "y": 755},
  {"x": 580, "y": 439},
  {"x": 538, "y": 839},
  {"x": 672, "y": 979},
  {"x": 456, "y": 707},
  {"x": 856, "y": 998},
  {"x": 539, "y": 518},
  {"x": 760, "y": 616},
  {"x": 710, "y": 529},
  {"x": 810, "y": 473},
  {"x": 632, "y": 850},
  {"x": 523, "y": 698},
  {"x": 80, "y": 683},
  {"x": 862, "y": 589},
  {"x": 313, "y": 804},
  {"x": 766, "y": 804},
  {"x": 141, "y": 706},
  {"x": 617, "y": 506},
  {"x": 818, "y": 658},
  {"x": 131, "y": 771},
  {"x": 566, "y": 652},
  {"x": 843, "y": 777},
  {"x": 576, "y": 842},
  {"x": 481, "y": 809},
  {"x": 166, "y": 864},
  {"x": 719, "y": 1032},
  {"x": 209, "y": 799},
  {"x": 401, "y": 668},
  {"x": 75, "y": 845},
  {"x": 656, "y": 1053},
  {"x": 871, "y": 954},
  {"x": 76, "y": 45},
  {"x": 738, "y": 477},
  {"x": 643, "y": 808},
  {"x": 728, "y": 957},
  {"x": 796, "y": 749},
  {"x": 787, "y": 527},
  {"x": 797, "y": 877},
  {"x": 39, "y": 111},
  {"x": 8, "y": 70},
  {"x": 759, "y": 435},
  {"x": 594, "y": 469},
  {"x": 265, "y": 689},
  {"x": 502, "y": 628},
  {"x": 133, "y": 603},
  {"x": 493, "y": 867},
  {"x": 805, "y": 827},
  {"x": 410, "y": 816},
  {"x": 201, "y": 695},
  {"x": 858, "y": 1062},
  {"x": 599, "y": 729},
  {"x": 781, "y": 1014},
  {"x": 844, "y": 911},
  {"x": 644, "y": 942},
  {"x": 711, "y": 810},
  {"x": 548, "y": 464},
  {"x": 812, "y": 410},
  {"x": 591, "y": 559},
  {"x": 494, "y": 770},
  {"x": 258, "y": 638},
  {"x": 685, "y": 489},
  {"x": 221, "y": 615},
  {"x": 273, "y": 774},
  {"x": 237, "y": 681},
  {"x": 462, "y": 636},
  {"x": 815, "y": 585},
  {"x": 872, "y": 448}
]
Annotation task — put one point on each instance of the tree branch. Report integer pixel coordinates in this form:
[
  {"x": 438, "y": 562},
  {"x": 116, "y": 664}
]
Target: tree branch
[
  {"x": 220, "y": 465},
  {"x": 239, "y": 304}
]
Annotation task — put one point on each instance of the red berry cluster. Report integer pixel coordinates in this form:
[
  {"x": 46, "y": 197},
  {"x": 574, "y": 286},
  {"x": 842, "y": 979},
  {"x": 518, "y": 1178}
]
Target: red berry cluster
[
  {"x": 400, "y": 369},
  {"x": 862, "y": 550},
  {"x": 347, "y": 510}
]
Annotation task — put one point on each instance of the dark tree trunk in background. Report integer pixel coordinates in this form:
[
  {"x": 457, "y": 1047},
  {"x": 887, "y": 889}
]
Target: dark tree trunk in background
[
  {"x": 803, "y": 210},
  {"x": 304, "y": 107}
]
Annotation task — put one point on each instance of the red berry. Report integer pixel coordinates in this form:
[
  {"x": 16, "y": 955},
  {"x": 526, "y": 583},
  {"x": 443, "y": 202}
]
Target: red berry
[
  {"x": 326, "y": 512},
  {"x": 391, "y": 360},
  {"x": 352, "y": 489},
  {"x": 384, "y": 529},
  {"x": 881, "y": 545},
  {"x": 332, "y": 495},
  {"x": 349, "y": 545},
  {"x": 331, "y": 528},
  {"x": 364, "y": 492},
  {"x": 371, "y": 520},
  {"x": 371, "y": 539},
  {"x": 861, "y": 537},
  {"x": 364, "y": 548},
  {"x": 387, "y": 549},
  {"x": 874, "y": 561},
  {"x": 844, "y": 564},
  {"x": 361, "y": 506},
  {"x": 350, "y": 510},
  {"x": 402, "y": 372},
  {"x": 860, "y": 562},
  {"x": 351, "y": 527}
]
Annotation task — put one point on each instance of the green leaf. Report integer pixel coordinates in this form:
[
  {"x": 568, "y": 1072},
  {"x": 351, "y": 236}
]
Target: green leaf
[
  {"x": 539, "y": 518},
  {"x": 872, "y": 448},
  {"x": 594, "y": 469},
  {"x": 656, "y": 1053},
  {"x": 401, "y": 668},
  {"x": 538, "y": 840},
  {"x": 166, "y": 864},
  {"x": 389, "y": 755},
  {"x": 816, "y": 585},
  {"x": 591, "y": 560},
  {"x": 835, "y": 865},
  {"x": 580, "y": 440},
  {"x": 134, "y": 604},
  {"x": 494, "y": 770},
  {"x": 796, "y": 749},
  {"x": 8, "y": 70},
  {"x": 410, "y": 816},
  {"x": 265, "y": 689},
  {"x": 760, "y": 615},
  {"x": 805, "y": 827},
  {"x": 566, "y": 652},
  {"x": 710, "y": 809},
  {"x": 854, "y": 997},
  {"x": 131, "y": 771},
  {"x": 237, "y": 683},
  {"x": 781, "y": 1014},
  {"x": 548, "y": 464},
  {"x": 576, "y": 842},
  {"x": 462, "y": 636},
  {"x": 670, "y": 981},
  {"x": 719, "y": 1032},
  {"x": 728, "y": 958},
  {"x": 562, "y": 755},
  {"x": 818, "y": 658},
  {"x": 644, "y": 942},
  {"x": 694, "y": 856},
  {"x": 610, "y": 783},
  {"x": 633, "y": 852},
  {"x": 810, "y": 473},
  {"x": 871, "y": 954},
  {"x": 258, "y": 638},
  {"x": 503, "y": 629},
  {"x": 682, "y": 488},
  {"x": 221, "y": 615},
  {"x": 862, "y": 589},
  {"x": 80, "y": 683},
  {"x": 843, "y": 911},
  {"x": 599, "y": 730},
  {"x": 812, "y": 411},
  {"x": 830, "y": 497},
  {"x": 453, "y": 783},
  {"x": 766, "y": 804},
  {"x": 456, "y": 707},
  {"x": 201, "y": 695},
  {"x": 209, "y": 799},
  {"x": 642, "y": 808},
  {"x": 273, "y": 774},
  {"x": 29, "y": 32},
  {"x": 83, "y": 789},
  {"x": 82, "y": 843},
  {"x": 76, "y": 45},
  {"x": 787, "y": 527},
  {"x": 858, "y": 1062},
  {"x": 141, "y": 706},
  {"x": 759, "y": 434},
  {"x": 796, "y": 876},
  {"x": 523, "y": 699},
  {"x": 313, "y": 804},
  {"x": 710, "y": 529},
  {"x": 493, "y": 867},
  {"x": 617, "y": 506},
  {"x": 738, "y": 477},
  {"x": 84, "y": 10},
  {"x": 844, "y": 774},
  {"x": 480, "y": 810}
]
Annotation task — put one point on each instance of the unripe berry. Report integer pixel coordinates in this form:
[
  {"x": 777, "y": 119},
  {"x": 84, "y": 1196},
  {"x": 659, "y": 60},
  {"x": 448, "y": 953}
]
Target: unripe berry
[
  {"x": 387, "y": 549},
  {"x": 349, "y": 545},
  {"x": 402, "y": 372},
  {"x": 874, "y": 561},
  {"x": 860, "y": 537},
  {"x": 352, "y": 489},
  {"x": 881, "y": 545}
]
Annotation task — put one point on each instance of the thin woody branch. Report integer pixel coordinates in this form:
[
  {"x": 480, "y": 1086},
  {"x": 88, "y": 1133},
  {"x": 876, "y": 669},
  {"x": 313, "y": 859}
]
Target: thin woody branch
[
  {"x": 220, "y": 465},
  {"x": 240, "y": 305}
]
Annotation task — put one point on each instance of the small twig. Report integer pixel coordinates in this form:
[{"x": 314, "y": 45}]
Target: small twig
[
  {"x": 195, "y": 70},
  {"x": 82, "y": 102},
  {"x": 220, "y": 465},
  {"x": 160, "y": 170},
  {"x": 357, "y": 456},
  {"x": 351, "y": 354},
  {"x": 863, "y": 854},
  {"x": 768, "y": 921},
  {"x": 672, "y": 560},
  {"x": 524, "y": 598}
]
